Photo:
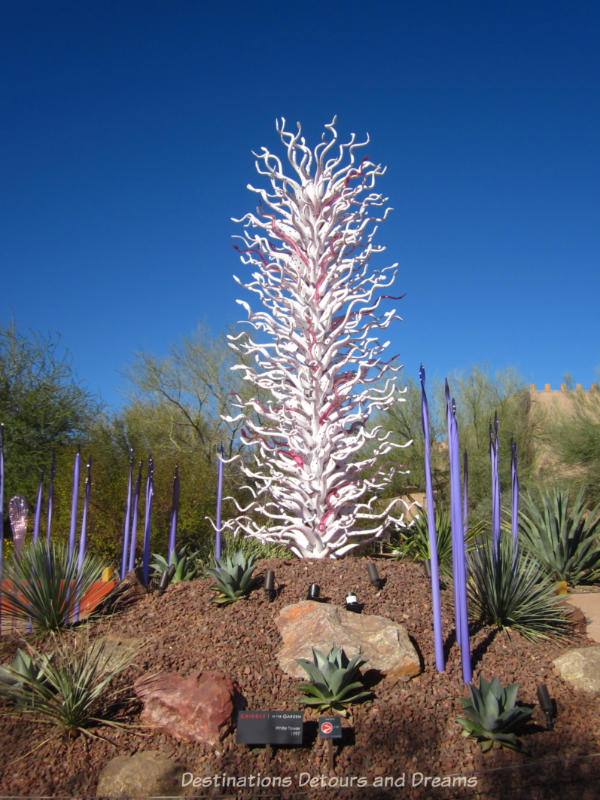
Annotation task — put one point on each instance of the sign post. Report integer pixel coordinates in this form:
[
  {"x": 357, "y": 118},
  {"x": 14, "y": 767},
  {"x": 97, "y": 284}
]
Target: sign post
[{"x": 330, "y": 728}]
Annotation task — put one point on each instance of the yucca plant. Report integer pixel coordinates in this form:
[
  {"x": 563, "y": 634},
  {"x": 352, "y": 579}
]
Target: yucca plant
[
  {"x": 14, "y": 677},
  {"x": 564, "y": 536},
  {"x": 66, "y": 686},
  {"x": 492, "y": 715},
  {"x": 413, "y": 542},
  {"x": 233, "y": 577},
  {"x": 513, "y": 593},
  {"x": 41, "y": 584},
  {"x": 335, "y": 681},
  {"x": 186, "y": 566}
]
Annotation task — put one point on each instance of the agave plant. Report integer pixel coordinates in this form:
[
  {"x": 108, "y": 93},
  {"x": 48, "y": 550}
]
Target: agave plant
[
  {"x": 513, "y": 593},
  {"x": 564, "y": 537},
  {"x": 42, "y": 583},
  {"x": 492, "y": 715},
  {"x": 186, "y": 566},
  {"x": 233, "y": 577},
  {"x": 414, "y": 541},
  {"x": 335, "y": 681},
  {"x": 66, "y": 686}
]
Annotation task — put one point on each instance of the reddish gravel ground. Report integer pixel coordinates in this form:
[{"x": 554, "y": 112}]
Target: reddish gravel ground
[{"x": 405, "y": 734}]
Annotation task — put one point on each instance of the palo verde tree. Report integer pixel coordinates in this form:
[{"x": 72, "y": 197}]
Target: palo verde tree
[
  {"x": 574, "y": 441},
  {"x": 316, "y": 354}
]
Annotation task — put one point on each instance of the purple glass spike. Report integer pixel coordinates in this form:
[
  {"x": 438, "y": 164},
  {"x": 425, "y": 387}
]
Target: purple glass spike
[
  {"x": 497, "y": 474},
  {"x": 465, "y": 504},
  {"x": 495, "y": 493},
  {"x": 125, "y": 549},
  {"x": 38, "y": 510},
  {"x": 515, "y": 496},
  {"x": 134, "y": 518},
  {"x": 219, "y": 496},
  {"x": 50, "y": 499},
  {"x": 458, "y": 541},
  {"x": 36, "y": 524},
  {"x": 433, "y": 555},
  {"x": 148, "y": 517},
  {"x": 174, "y": 512},
  {"x": 453, "y": 520},
  {"x": 83, "y": 535},
  {"x": 17, "y": 513},
  {"x": 465, "y": 494},
  {"x": 1, "y": 515},
  {"x": 74, "y": 503}
]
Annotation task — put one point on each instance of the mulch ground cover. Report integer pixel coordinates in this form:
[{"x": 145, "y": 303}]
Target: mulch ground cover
[{"x": 394, "y": 745}]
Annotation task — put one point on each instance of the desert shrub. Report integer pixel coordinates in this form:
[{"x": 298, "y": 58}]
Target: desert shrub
[
  {"x": 413, "y": 542},
  {"x": 512, "y": 592},
  {"x": 67, "y": 686},
  {"x": 231, "y": 544},
  {"x": 42, "y": 584},
  {"x": 564, "y": 536}
]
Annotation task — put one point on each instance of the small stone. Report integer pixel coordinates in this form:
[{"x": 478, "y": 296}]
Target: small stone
[
  {"x": 146, "y": 774},
  {"x": 576, "y": 619},
  {"x": 581, "y": 668}
]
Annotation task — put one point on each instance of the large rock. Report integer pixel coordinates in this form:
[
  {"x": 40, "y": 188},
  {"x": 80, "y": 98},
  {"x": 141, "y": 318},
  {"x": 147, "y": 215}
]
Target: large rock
[
  {"x": 381, "y": 641},
  {"x": 145, "y": 774},
  {"x": 581, "y": 668},
  {"x": 196, "y": 708}
]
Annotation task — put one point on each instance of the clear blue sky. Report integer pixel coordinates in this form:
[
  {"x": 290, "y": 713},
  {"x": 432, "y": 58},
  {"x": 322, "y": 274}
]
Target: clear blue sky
[{"x": 125, "y": 149}]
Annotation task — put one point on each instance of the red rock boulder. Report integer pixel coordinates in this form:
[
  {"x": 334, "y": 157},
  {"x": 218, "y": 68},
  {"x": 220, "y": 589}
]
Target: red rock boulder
[{"x": 193, "y": 708}]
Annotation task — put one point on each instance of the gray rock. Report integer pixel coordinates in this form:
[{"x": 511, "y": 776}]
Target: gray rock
[
  {"x": 581, "y": 668},
  {"x": 145, "y": 774},
  {"x": 381, "y": 641}
]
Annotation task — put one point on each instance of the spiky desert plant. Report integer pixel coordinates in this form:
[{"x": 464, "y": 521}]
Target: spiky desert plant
[
  {"x": 14, "y": 677},
  {"x": 563, "y": 535},
  {"x": 335, "y": 681},
  {"x": 318, "y": 361},
  {"x": 67, "y": 686},
  {"x": 43, "y": 583},
  {"x": 492, "y": 715},
  {"x": 233, "y": 577},
  {"x": 513, "y": 594},
  {"x": 186, "y": 565}
]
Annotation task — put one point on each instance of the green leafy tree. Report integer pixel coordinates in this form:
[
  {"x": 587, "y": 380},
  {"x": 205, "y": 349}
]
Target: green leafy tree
[
  {"x": 42, "y": 406},
  {"x": 174, "y": 412},
  {"x": 193, "y": 387}
]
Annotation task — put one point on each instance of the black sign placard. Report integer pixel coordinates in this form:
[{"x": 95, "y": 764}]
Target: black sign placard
[
  {"x": 269, "y": 727},
  {"x": 330, "y": 728}
]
